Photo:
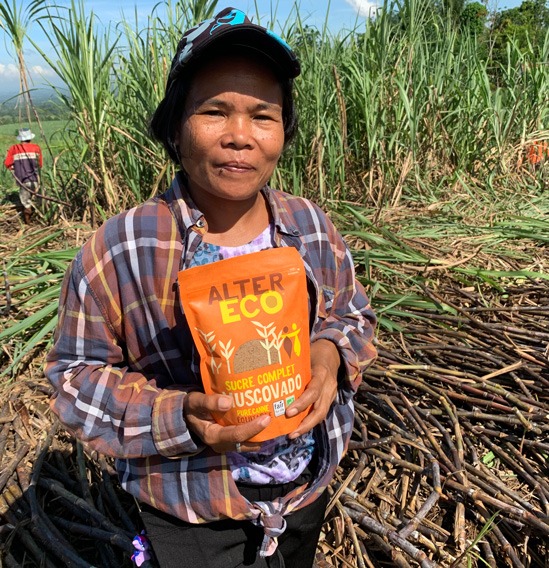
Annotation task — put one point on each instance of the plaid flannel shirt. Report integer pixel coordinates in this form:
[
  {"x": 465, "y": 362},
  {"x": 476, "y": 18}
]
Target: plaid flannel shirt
[{"x": 123, "y": 357}]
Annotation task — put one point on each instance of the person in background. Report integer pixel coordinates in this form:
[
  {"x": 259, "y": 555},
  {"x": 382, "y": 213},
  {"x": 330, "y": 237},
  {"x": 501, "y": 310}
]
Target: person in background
[
  {"x": 123, "y": 366},
  {"x": 24, "y": 159}
]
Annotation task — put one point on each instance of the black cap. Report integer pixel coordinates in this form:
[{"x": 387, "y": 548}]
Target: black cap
[{"x": 233, "y": 27}]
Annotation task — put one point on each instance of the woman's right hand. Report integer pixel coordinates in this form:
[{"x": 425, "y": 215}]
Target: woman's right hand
[{"x": 197, "y": 410}]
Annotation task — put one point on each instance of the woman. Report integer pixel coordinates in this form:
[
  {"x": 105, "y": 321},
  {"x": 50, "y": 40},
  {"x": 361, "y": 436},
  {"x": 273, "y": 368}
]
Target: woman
[{"x": 124, "y": 367}]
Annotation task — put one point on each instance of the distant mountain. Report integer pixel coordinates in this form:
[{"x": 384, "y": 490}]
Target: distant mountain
[
  {"x": 8, "y": 95},
  {"x": 45, "y": 102}
]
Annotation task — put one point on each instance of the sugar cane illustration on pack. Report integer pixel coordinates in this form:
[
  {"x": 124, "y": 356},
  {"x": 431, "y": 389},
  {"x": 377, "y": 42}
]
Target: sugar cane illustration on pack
[{"x": 248, "y": 316}]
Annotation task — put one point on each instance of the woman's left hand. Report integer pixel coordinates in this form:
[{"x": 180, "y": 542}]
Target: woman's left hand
[{"x": 321, "y": 390}]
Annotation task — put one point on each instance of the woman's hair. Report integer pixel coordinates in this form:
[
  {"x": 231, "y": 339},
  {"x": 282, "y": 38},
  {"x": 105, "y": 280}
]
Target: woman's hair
[{"x": 168, "y": 115}]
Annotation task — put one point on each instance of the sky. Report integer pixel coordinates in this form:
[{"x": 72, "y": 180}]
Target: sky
[{"x": 339, "y": 14}]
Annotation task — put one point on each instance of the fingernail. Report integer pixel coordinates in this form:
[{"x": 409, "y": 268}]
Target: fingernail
[
  {"x": 225, "y": 403},
  {"x": 265, "y": 421},
  {"x": 291, "y": 412}
]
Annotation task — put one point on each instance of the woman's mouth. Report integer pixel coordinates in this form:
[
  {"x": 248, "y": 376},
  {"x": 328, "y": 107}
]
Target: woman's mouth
[{"x": 236, "y": 167}]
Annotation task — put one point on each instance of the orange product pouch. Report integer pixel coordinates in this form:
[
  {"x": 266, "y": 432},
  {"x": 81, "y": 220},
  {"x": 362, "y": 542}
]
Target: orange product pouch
[{"x": 249, "y": 319}]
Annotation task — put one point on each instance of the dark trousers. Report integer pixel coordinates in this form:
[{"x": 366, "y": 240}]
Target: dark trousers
[{"x": 235, "y": 544}]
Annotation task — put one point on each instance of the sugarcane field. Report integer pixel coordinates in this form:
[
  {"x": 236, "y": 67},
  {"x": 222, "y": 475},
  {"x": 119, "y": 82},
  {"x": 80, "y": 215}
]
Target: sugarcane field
[{"x": 423, "y": 135}]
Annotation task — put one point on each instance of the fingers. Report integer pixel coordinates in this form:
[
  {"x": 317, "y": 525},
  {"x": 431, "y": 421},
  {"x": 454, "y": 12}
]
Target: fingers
[
  {"x": 309, "y": 422},
  {"x": 225, "y": 438},
  {"x": 316, "y": 416},
  {"x": 202, "y": 405},
  {"x": 198, "y": 409},
  {"x": 310, "y": 395},
  {"x": 319, "y": 393}
]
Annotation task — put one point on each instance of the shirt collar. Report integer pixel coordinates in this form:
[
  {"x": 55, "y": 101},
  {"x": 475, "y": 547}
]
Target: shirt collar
[
  {"x": 191, "y": 217},
  {"x": 282, "y": 217}
]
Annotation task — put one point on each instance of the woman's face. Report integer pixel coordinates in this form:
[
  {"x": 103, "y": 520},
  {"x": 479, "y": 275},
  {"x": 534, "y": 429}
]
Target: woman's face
[{"x": 231, "y": 134}]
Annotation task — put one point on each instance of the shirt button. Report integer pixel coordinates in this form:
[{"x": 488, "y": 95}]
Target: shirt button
[{"x": 200, "y": 223}]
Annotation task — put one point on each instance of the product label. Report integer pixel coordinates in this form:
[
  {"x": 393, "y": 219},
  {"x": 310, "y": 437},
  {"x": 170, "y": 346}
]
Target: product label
[{"x": 249, "y": 320}]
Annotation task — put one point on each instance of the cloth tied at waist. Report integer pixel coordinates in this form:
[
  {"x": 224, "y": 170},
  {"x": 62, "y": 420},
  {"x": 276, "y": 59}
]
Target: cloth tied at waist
[{"x": 273, "y": 524}]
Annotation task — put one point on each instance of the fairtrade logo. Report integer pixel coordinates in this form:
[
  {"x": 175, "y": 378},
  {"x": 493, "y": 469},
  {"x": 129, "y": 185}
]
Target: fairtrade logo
[{"x": 279, "y": 408}]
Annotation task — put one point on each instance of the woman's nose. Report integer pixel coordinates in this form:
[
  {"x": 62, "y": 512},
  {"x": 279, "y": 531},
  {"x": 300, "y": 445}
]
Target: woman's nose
[{"x": 238, "y": 132}]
